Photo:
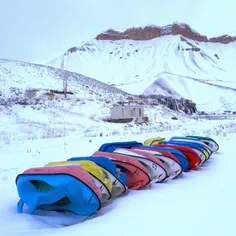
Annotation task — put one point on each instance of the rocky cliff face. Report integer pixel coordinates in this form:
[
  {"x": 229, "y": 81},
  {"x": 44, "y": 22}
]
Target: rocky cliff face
[
  {"x": 181, "y": 105},
  {"x": 151, "y": 32},
  {"x": 185, "y": 105}
]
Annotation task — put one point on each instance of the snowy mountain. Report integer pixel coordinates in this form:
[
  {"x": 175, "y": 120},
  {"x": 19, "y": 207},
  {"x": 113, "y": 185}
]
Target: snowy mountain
[{"x": 172, "y": 60}]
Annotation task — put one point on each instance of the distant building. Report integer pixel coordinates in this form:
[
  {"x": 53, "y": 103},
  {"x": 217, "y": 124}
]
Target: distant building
[{"x": 128, "y": 113}]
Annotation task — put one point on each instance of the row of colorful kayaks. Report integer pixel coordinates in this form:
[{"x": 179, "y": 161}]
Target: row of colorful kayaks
[{"x": 82, "y": 185}]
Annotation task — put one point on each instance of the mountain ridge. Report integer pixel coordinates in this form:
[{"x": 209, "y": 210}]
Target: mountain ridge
[{"x": 154, "y": 31}]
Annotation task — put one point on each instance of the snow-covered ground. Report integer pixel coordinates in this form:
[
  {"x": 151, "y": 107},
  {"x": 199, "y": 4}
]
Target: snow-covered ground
[
  {"x": 198, "y": 203},
  {"x": 169, "y": 65}
]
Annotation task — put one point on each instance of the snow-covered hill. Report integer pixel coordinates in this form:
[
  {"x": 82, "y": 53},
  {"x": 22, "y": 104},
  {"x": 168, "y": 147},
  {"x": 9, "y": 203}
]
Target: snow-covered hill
[
  {"x": 170, "y": 65},
  {"x": 27, "y": 112},
  {"x": 27, "y": 76}
]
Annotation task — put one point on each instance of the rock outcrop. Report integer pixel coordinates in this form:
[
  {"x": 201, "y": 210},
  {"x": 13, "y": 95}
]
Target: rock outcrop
[
  {"x": 223, "y": 39},
  {"x": 184, "y": 105},
  {"x": 180, "y": 105},
  {"x": 151, "y": 32}
]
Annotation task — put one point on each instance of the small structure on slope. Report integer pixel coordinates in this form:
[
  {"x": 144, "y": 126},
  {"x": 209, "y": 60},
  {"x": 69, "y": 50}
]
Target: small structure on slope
[{"x": 127, "y": 113}]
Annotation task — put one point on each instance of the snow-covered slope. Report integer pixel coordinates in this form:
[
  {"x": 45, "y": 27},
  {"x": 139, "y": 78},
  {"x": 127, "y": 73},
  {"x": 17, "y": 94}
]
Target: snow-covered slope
[
  {"x": 28, "y": 113},
  {"x": 26, "y": 76},
  {"x": 170, "y": 64}
]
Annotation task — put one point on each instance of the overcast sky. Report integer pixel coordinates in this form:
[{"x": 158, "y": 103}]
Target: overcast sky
[{"x": 32, "y": 30}]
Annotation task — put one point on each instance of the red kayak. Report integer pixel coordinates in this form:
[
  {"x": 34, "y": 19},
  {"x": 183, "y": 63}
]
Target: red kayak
[
  {"x": 137, "y": 175},
  {"x": 170, "y": 162},
  {"x": 193, "y": 158},
  {"x": 155, "y": 167}
]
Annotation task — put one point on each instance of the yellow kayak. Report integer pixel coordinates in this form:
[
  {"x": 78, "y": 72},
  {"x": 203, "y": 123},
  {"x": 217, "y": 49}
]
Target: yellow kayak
[
  {"x": 153, "y": 141},
  {"x": 101, "y": 178}
]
